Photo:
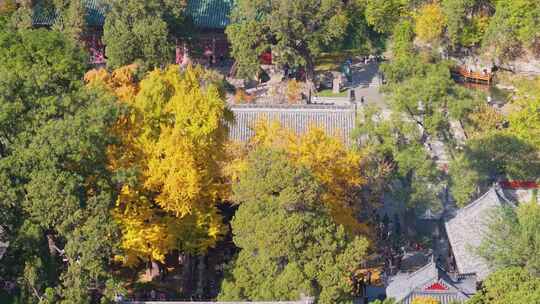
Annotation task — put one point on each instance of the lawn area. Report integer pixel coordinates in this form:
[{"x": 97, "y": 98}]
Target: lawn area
[
  {"x": 332, "y": 61},
  {"x": 329, "y": 93}
]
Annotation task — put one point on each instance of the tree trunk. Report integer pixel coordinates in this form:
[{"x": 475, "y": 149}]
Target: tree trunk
[
  {"x": 310, "y": 73},
  {"x": 51, "y": 244},
  {"x": 187, "y": 274},
  {"x": 201, "y": 278},
  {"x": 409, "y": 222},
  {"x": 463, "y": 128},
  {"x": 153, "y": 269}
]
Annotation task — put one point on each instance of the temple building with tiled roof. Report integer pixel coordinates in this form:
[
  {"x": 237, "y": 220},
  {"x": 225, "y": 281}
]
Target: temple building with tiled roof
[
  {"x": 96, "y": 10},
  {"x": 335, "y": 120},
  {"x": 205, "y": 14},
  {"x": 467, "y": 227},
  {"x": 209, "y": 17},
  {"x": 433, "y": 282}
]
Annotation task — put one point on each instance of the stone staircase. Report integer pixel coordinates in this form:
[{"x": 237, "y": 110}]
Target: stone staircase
[{"x": 438, "y": 152}]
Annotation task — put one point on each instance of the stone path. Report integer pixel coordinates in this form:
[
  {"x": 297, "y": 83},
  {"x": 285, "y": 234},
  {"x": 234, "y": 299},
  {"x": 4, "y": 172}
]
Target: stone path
[{"x": 366, "y": 82}]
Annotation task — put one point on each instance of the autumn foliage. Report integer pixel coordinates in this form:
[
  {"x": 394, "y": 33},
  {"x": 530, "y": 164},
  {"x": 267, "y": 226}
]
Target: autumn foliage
[
  {"x": 172, "y": 134},
  {"x": 430, "y": 22},
  {"x": 336, "y": 167}
]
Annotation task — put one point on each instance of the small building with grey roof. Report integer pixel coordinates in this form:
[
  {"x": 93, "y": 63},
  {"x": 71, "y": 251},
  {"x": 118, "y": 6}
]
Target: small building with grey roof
[
  {"x": 334, "y": 120},
  {"x": 431, "y": 281},
  {"x": 467, "y": 228}
]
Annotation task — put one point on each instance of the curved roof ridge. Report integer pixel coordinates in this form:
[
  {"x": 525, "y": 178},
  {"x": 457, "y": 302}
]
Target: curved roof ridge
[
  {"x": 479, "y": 199},
  {"x": 500, "y": 193},
  {"x": 428, "y": 265},
  {"x": 467, "y": 229},
  {"x": 452, "y": 288}
]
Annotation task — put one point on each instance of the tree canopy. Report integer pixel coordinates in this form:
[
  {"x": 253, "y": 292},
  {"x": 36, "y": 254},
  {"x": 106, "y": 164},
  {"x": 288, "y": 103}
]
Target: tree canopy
[
  {"x": 509, "y": 285},
  {"x": 142, "y": 31},
  {"x": 424, "y": 100},
  {"x": 173, "y": 134},
  {"x": 396, "y": 144},
  {"x": 492, "y": 151},
  {"x": 56, "y": 192},
  {"x": 514, "y": 25},
  {"x": 296, "y": 31},
  {"x": 524, "y": 122},
  {"x": 514, "y": 239},
  {"x": 430, "y": 22},
  {"x": 383, "y": 15},
  {"x": 338, "y": 169},
  {"x": 289, "y": 243}
]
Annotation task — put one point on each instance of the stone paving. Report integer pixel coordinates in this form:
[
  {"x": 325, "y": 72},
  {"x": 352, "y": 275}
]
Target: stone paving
[{"x": 366, "y": 81}]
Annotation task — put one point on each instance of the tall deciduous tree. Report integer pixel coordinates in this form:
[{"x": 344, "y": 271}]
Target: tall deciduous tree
[
  {"x": 71, "y": 18},
  {"x": 512, "y": 285},
  {"x": 383, "y": 15},
  {"x": 514, "y": 239},
  {"x": 169, "y": 160},
  {"x": 513, "y": 26},
  {"x": 420, "y": 87},
  {"x": 430, "y": 22},
  {"x": 525, "y": 120},
  {"x": 338, "y": 169},
  {"x": 54, "y": 134},
  {"x": 467, "y": 20},
  {"x": 296, "y": 31},
  {"x": 493, "y": 151},
  {"x": 424, "y": 91},
  {"x": 413, "y": 180},
  {"x": 142, "y": 31},
  {"x": 495, "y": 155},
  {"x": 289, "y": 244}
]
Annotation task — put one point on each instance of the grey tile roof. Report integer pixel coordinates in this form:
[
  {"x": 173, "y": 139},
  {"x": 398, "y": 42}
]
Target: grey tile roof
[
  {"x": 404, "y": 287},
  {"x": 467, "y": 228},
  {"x": 335, "y": 120},
  {"x": 402, "y": 284}
]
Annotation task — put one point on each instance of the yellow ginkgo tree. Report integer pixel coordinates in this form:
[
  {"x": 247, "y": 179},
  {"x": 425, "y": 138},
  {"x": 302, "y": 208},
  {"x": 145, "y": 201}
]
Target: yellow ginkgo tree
[
  {"x": 430, "y": 22},
  {"x": 171, "y": 144},
  {"x": 336, "y": 167}
]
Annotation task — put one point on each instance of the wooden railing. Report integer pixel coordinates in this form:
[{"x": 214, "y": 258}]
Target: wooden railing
[{"x": 485, "y": 77}]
